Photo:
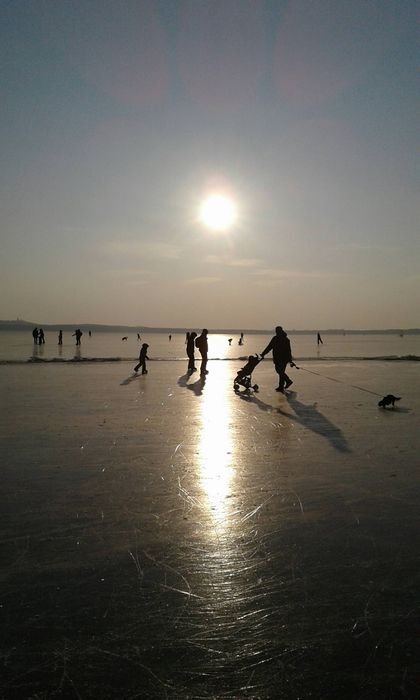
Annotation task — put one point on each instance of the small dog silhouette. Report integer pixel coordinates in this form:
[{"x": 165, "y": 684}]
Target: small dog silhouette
[
  {"x": 389, "y": 400},
  {"x": 125, "y": 338}
]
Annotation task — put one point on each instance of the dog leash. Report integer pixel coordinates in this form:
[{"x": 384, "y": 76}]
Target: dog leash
[{"x": 339, "y": 381}]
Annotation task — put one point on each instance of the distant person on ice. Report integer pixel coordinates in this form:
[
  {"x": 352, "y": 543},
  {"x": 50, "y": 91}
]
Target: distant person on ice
[
  {"x": 190, "y": 351},
  {"x": 202, "y": 345},
  {"x": 319, "y": 340},
  {"x": 35, "y": 335},
  {"x": 282, "y": 354},
  {"x": 78, "y": 333},
  {"x": 41, "y": 336},
  {"x": 142, "y": 359},
  {"x": 60, "y": 337}
]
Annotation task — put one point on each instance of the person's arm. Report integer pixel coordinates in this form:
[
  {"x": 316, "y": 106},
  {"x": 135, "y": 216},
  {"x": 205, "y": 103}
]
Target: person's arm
[{"x": 268, "y": 348}]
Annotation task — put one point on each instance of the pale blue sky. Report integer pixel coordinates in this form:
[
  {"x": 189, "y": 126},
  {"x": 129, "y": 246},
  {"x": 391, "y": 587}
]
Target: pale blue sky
[{"x": 119, "y": 117}]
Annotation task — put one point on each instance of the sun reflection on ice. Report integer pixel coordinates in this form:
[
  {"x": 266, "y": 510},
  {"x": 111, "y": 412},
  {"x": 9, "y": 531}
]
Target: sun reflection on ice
[{"x": 215, "y": 445}]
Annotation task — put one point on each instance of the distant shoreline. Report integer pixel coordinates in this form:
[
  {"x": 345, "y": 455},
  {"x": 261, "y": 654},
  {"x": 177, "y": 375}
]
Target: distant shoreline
[{"x": 19, "y": 325}]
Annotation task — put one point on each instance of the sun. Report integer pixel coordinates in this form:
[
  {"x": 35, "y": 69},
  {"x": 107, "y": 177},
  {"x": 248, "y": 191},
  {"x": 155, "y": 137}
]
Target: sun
[{"x": 218, "y": 212}]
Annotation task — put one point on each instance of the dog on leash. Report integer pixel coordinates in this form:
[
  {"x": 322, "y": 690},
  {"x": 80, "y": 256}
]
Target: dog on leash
[{"x": 388, "y": 400}]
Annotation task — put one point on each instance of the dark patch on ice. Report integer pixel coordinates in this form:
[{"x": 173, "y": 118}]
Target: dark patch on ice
[
  {"x": 306, "y": 415},
  {"x": 196, "y": 387},
  {"x": 313, "y": 419}
]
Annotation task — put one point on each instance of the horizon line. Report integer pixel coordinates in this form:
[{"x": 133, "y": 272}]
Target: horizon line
[{"x": 184, "y": 329}]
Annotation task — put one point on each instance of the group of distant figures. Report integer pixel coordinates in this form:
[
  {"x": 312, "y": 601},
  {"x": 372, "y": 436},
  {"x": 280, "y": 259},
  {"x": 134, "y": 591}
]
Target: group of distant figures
[
  {"x": 279, "y": 345},
  {"x": 39, "y": 336},
  {"x": 193, "y": 341}
]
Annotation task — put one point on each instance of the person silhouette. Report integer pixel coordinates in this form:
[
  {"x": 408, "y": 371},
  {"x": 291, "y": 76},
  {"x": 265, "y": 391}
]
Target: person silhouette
[
  {"x": 230, "y": 341},
  {"x": 319, "y": 339},
  {"x": 142, "y": 359},
  {"x": 202, "y": 344},
  {"x": 35, "y": 335},
  {"x": 41, "y": 337},
  {"x": 170, "y": 337},
  {"x": 190, "y": 351},
  {"x": 282, "y": 354},
  {"x": 60, "y": 337},
  {"x": 78, "y": 333}
]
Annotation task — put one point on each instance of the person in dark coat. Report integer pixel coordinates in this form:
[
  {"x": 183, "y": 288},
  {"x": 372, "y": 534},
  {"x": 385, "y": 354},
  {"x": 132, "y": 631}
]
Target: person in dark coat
[
  {"x": 35, "y": 335},
  {"x": 282, "y": 355},
  {"x": 78, "y": 333},
  {"x": 203, "y": 347},
  {"x": 60, "y": 337},
  {"x": 142, "y": 359},
  {"x": 190, "y": 351}
]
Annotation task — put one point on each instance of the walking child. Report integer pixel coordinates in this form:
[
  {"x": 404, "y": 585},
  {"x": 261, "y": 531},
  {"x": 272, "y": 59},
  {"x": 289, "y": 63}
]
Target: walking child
[{"x": 142, "y": 359}]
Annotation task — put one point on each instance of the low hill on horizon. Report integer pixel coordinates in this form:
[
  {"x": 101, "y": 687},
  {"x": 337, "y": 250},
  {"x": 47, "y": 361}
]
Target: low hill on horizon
[{"x": 21, "y": 325}]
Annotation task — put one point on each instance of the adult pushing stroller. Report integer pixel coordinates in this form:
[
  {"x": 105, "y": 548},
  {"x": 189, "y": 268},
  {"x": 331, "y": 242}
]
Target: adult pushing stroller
[{"x": 243, "y": 378}]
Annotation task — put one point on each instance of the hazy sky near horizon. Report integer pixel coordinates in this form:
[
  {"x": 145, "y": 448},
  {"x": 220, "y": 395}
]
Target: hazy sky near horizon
[{"x": 118, "y": 118}]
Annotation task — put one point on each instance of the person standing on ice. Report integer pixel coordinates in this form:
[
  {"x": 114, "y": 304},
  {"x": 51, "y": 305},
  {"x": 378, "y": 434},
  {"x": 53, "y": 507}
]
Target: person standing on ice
[
  {"x": 142, "y": 359},
  {"x": 78, "y": 333},
  {"x": 190, "y": 351},
  {"x": 282, "y": 355},
  {"x": 203, "y": 347}
]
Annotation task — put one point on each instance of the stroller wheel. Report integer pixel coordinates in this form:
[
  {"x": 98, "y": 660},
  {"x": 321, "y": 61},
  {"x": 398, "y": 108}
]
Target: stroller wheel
[
  {"x": 236, "y": 387},
  {"x": 255, "y": 387}
]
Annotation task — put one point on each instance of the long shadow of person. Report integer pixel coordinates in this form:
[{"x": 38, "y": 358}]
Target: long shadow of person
[
  {"x": 130, "y": 379},
  {"x": 311, "y": 418},
  {"x": 306, "y": 415},
  {"x": 197, "y": 387},
  {"x": 183, "y": 381}
]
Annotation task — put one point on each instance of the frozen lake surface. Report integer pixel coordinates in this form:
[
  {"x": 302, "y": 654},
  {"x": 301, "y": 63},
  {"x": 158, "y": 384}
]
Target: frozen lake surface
[
  {"x": 164, "y": 537},
  {"x": 18, "y": 346}
]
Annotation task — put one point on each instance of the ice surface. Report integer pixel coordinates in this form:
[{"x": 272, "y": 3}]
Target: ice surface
[{"x": 164, "y": 537}]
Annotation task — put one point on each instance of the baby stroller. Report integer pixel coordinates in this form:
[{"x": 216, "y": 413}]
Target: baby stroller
[{"x": 243, "y": 378}]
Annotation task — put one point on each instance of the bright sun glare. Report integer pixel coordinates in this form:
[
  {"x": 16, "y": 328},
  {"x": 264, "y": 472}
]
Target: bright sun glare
[{"x": 218, "y": 212}]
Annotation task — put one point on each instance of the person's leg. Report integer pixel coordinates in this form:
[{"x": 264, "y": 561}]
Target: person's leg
[
  {"x": 143, "y": 368},
  {"x": 281, "y": 371},
  {"x": 203, "y": 369},
  {"x": 287, "y": 381}
]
